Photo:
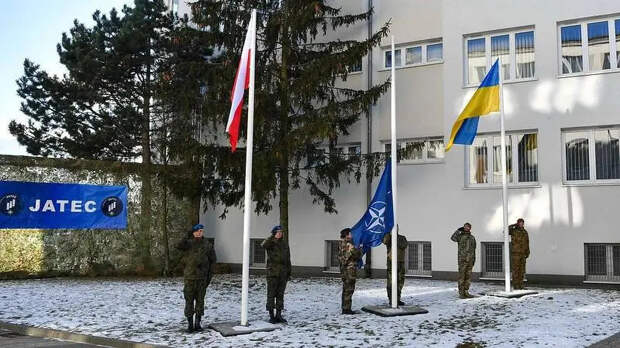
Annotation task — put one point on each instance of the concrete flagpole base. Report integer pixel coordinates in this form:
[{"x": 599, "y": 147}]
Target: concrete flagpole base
[
  {"x": 388, "y": 311},
  {"x": 513, "y": 293},
  {"x": 234, "y": 328}
]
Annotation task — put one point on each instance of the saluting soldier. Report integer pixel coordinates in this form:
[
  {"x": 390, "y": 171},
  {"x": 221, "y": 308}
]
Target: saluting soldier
[
  {"x": 466, "y": 257},
  {"x": 519, "y": 253},
  {"x": 349, "y": 256},
  {"x": 401, "y": 244},
  {"x": 199, "y": 266},
  {"x": 278, "y": 273}
]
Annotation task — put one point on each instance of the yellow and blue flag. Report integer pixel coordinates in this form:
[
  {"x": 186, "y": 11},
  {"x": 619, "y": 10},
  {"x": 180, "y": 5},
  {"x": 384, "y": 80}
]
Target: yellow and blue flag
[{"x": 484, "y": 101}]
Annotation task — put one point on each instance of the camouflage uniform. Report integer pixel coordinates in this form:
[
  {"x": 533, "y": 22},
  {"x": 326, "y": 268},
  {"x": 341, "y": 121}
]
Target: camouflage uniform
[
  {"x": 199, "y": 264},
  {"x": 349, "y": 256},
  {"x": 400, "y": 263},
  {"x": 520, "y": 250},
  {"x": 278, "y": 271},
  {"x": 466, "y": 258}
]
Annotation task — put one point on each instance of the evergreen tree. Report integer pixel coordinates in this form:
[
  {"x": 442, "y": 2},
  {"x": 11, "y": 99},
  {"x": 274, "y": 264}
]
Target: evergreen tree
[
  {"x": 301, "y": 102},
  {"x": 107, "y": 105}
]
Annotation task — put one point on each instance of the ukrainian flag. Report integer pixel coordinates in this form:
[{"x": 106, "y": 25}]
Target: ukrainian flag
[{"x": 483, "y": 102}]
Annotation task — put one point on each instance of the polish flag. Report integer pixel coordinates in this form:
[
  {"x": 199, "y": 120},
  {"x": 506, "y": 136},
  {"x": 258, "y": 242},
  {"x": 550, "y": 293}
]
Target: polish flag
[{"x": 242, "y": 82}]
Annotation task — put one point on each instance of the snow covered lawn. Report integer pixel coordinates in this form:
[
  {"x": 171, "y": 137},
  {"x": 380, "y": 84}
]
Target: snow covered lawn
[{"x": 152, "y": 311}]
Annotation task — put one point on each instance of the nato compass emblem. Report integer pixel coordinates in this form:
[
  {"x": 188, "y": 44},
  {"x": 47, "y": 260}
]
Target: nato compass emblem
[
  {"x": 9, "y": 204},
  {"x": 111, "y": 206},
  {"x": 376, "y": 223}
]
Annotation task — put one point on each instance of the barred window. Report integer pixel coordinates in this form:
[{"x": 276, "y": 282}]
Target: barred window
[
  {"x": 602, "y": 262},
  {"x": 419, "y": 258},
  {"x": 332, "y": 250},
  {"x": 599, "y": 146},
  {"x": 258, "y": 255},
  {"x": 521, "y": 153},
  {"x": 492, "y": 259}
]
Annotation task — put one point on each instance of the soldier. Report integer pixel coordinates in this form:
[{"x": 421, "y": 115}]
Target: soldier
[
  {"x": 519, "y": 252},
  {"x": 199, "y": 266},
  {"x": 466, "y": 257},
  {"x": 400, "y": 268},
  {"x": 349, "y": 256},
  {"x": 278, "y": 273}
]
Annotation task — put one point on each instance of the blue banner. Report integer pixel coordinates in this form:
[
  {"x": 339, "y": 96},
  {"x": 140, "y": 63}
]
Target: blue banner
[
  {"x": 379, "y": 217},
  {"x": 71, "y": 206}
]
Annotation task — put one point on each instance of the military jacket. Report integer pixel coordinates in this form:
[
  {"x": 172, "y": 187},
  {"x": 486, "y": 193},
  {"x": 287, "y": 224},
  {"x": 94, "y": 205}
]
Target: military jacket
[
  {"x": 467, "y": 245},
  {"x": 349, "y": 255},
  {"x": 199, "y": 258},
  {"x": 278, "y": 257},
  {"x": 401, "y": 245},
  {"x": 520, "y": 240}
]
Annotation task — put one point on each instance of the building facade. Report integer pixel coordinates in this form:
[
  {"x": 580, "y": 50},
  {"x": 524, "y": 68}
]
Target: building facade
[{"x": 561, "y": 64}]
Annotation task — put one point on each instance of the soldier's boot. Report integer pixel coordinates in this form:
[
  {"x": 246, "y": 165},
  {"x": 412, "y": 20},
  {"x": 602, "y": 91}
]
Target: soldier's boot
[
  {"x": 197, "y": 326},
  {"x": 347, "y": 311},
  {"x": 467, "y": 294},
  {"x": 272, "y": 317},
  {"x": 279, "y": 318},
  {"x": 401, "y": 303},
  {"x": 462, "y": 294},
  {"x": 190, "y": 324}
]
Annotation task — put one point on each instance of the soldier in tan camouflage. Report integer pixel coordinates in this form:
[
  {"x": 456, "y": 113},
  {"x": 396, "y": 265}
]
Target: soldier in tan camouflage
[
  {"x": 349, "y": 256},
  {"x": 466, "y": 257},
  {"x": 519, "y": 252},
  {"x": 401, "y": 244}
]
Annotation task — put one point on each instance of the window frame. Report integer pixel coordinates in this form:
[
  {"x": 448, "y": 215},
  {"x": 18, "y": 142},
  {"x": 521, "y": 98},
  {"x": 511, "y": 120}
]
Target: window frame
[
  {"x": 328, "y": 267},
  {"x": 345, "y": 151},
  {"x": 585, "y": 56},
  {"x": 609, "y": 276},
  {"x": 253, "y": 252},
  {"x": 424, "y": 52},
  {"x": 484, "y": 273},
  {"x": 402, "y": 144},
  {"x": 488, "y": 48},
  {"x": 514, "y": 144},
  {"x": 420, "y": 271},
  {"x": 590, "y": 135}
]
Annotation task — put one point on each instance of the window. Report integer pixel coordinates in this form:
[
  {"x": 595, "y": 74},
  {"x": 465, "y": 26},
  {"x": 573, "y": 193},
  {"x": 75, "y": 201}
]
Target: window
[
  {"x": 321, "y": 155},
  {"x": 418, "y": 258},
  {"x": 492, "y": 259},
  {"x": 484, "y": 160},
  {"x": 423, "y": 150},
  {"x": 356, "y": 67},
  {"x": 590, "y": 46},
  {"x": 515, "y": 51},
  {"x": 258, "y": 255},
  {"x": 602, "y": 262},
  {"x": 415, "y": 55},
  {"x": 332, "y": 250},
  {"x": 592, "y": 155}
]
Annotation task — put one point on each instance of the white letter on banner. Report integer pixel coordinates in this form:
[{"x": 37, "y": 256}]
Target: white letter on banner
[
  {"x": 62, "y": 203},
  {"x": 37, "y": 205},
  {"x": 92, "y": 205},
  {"x": 76, "y": 206},
  {"x": 49, "y": 206}
]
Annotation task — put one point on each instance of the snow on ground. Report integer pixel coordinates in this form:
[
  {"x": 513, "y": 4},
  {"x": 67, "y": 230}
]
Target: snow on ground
[{"x": 152, "y": 311}]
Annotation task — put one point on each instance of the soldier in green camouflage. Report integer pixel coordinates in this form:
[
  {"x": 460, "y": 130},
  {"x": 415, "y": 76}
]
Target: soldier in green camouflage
[
  {"x": 349, "y": 256},
  {"x": 278, "y": 273},
  {"x": 466, "y": 257},
  {"x": 199, "y": 266},
  {"x": 520, "y": 251},
  {"x": 401, "y": 245}
]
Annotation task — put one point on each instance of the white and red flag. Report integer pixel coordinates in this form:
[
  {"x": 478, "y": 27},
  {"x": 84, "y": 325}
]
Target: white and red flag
[{"x": 242, "y": 82}]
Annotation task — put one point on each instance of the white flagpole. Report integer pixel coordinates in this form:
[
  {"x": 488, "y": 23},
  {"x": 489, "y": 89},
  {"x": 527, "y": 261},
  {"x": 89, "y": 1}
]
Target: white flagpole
[
  {"x": 247, "y": 203},
  {"x": 394, "y": 164},
  {"x": 504, "y": 183}
]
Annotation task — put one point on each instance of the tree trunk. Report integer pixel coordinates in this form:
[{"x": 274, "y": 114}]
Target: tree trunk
[
  {"x": 284, "y": 125},
  {"x": 145, "y": 203}
]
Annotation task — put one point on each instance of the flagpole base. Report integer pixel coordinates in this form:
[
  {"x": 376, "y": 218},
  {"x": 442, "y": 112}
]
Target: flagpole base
[
  {"x": 234, "y": 328},
  {"x": 388, "y": 311},
  {"x": 512, "y": 294}
]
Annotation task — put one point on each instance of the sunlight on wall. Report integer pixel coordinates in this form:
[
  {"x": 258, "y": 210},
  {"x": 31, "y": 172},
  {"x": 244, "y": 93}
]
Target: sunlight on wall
[
  {"x": 571, "y": 92},
  {"x": 553, "y": 204}
]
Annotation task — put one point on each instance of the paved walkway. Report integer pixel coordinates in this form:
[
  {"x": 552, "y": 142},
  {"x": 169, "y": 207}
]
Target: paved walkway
[{"x": 15, "y": 340}]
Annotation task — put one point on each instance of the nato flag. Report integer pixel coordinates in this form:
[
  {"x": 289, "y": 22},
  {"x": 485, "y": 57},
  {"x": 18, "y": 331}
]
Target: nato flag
[{"x": 379, "y": 217}]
